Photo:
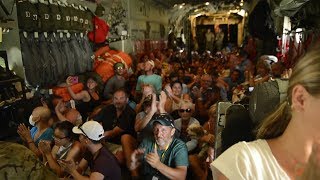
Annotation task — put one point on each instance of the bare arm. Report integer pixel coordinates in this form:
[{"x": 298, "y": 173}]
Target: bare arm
[
  {"x": 222, "y": 82},
  {"x": 60, "y": 116},
  {"x": 93, "y": 176},
  {"x": 71, "y": 168},
  {"x": 25, "y": 135},
  {"x": 141, "y": 123},
  {"x": 162, "y": 102},
  {"x": 113, "y": 133},
  {"x": 53, "y": 164},
  {"x": 263, "y": 79},
  {"x": 138, "y": 107},
  {"x": 32, "y": 146},
  {"x": 180, "y": 172},
  {"x": 81, "y": 96},
  {"x": 168, "y": 106}
]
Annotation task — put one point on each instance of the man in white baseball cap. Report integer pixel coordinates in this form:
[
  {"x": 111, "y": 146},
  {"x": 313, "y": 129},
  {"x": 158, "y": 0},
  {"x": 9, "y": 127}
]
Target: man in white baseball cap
[
  {"x": 90, "y": 129},
  {"x": 90, "y": 134}
]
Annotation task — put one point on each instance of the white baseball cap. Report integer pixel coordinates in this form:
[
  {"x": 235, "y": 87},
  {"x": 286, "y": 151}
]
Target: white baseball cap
[
  {"x": 91, "y": 129},
  {"x": 150, "y": 62}
]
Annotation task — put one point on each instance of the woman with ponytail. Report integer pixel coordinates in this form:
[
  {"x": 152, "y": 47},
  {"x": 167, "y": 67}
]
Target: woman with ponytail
[{"x": 287, "y": 145}]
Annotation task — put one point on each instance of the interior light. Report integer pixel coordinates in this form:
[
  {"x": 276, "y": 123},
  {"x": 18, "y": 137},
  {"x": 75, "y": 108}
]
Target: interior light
[
  {"x": 242, "y": 12},
  {"x": 207, "y": 3},
  {"x": 197, "y": 15},
  {"x": 181, "y": 6},
  {"x": 299, "y": 35},
  {"x": 233, "y": 11}
]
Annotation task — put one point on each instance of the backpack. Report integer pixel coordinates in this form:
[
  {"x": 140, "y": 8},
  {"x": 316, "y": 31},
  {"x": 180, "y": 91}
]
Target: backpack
[{"x": 266, "y": 97}]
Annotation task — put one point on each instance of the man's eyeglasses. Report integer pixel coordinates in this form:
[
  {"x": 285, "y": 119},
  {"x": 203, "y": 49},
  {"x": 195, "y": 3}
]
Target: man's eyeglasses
[
  {"x": 58, "y": 138},
  {"x": 118, "y": 68},
  {"x": 185, "y": 110}
]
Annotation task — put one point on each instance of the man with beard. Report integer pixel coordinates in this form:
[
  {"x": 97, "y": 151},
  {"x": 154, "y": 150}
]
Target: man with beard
[
  {"x": 117, "y": 119},
  {"x": 162, "y": 156},
  {"x": 115, "y": 82},
  {"x": 204, "y": 95}
]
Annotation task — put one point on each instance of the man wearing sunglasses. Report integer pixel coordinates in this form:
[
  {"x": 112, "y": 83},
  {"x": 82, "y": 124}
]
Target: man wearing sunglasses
[
  {"x": 115, "y": 82},
  {"x": 102, "y": 163},
  {"x": 162, "y": 156},
  {"x": 184, "y": 122}
]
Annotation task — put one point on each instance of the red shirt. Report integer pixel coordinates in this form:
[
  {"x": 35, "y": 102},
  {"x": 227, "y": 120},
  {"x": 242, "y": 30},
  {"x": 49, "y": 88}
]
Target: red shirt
[{"x": 100, "y": 33}]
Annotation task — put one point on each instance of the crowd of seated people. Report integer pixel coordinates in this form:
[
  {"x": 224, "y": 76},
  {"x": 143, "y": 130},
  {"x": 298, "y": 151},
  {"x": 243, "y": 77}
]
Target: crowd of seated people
[{"x": 149, "y": 138}]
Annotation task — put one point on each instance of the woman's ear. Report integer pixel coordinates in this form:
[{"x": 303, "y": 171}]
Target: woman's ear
[{"x": 299, "y": 95}]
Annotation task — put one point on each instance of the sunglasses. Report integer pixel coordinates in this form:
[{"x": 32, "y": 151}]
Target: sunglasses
[
  {"x": 184, "y": 110},
  {"x": 118, "y": 68}
]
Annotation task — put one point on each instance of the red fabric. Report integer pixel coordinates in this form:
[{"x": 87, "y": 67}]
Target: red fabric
[{"x": 100, "y": 32}]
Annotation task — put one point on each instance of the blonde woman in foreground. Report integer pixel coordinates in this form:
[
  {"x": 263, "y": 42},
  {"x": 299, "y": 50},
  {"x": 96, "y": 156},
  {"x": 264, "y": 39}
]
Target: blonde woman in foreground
[{"x": 288, "y": 140}]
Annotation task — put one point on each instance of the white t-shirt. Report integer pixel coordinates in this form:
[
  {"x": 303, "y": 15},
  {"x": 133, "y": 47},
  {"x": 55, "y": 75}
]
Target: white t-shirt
[{"x": 249, "y": 160}]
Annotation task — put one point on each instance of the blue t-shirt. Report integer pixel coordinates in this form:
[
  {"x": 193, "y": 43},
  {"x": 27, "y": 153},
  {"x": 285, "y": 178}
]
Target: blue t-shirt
[
  {"x": 46, "y": 135},
  {"x": 154, "y": 80}
]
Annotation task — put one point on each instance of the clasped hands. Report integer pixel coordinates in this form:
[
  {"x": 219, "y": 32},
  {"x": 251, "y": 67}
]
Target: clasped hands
[{"x": 152, "y": 158}]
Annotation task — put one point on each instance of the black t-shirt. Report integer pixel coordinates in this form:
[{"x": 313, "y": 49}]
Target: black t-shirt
[
  {"x": 105, "y": 163},
  {"x": 109, "y": 119}
]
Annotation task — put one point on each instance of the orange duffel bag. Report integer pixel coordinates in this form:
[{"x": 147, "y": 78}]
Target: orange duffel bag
[
  {"x": 101, "y": 51},
  {"x": 63, "y": 91},
  {"x": 104, "y": 66}
]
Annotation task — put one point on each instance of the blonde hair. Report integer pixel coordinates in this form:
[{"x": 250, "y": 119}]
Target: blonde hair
[
  {"x": 305, "y": 73},
  {"x": 149, "y": 85},
  {"x": 187, "y": 103}
]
